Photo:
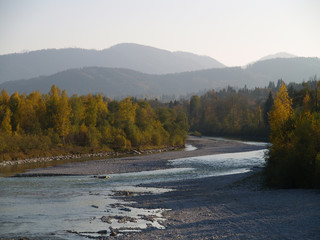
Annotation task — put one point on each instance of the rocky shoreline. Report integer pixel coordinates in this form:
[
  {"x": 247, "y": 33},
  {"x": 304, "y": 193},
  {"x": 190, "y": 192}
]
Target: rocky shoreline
[
  {"x": 136, "y": 161},
  {"x": 231, "y": 207},
  {"x": 88, "y": 155},
  {"x": 234, "y": 206}
]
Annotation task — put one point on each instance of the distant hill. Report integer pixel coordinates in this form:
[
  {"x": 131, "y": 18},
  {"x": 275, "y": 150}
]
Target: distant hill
[
  {"x": 272, "y": 56},
  {"x": 115, "y": 82},
  {"x": 119, "y": 82},
  {"x": 131, "y": 56},
  {"x": 278, "y": 55},
  {"x": 109, "y": 81},
  {"x": 288, "y": 69}
]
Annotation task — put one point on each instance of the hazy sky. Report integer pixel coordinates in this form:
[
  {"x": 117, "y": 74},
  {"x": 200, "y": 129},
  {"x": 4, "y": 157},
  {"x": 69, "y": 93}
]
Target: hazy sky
[{"x": 234, "y": 32}]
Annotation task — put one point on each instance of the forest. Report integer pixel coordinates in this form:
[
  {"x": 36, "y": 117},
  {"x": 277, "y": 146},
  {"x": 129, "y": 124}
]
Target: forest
[
  {"x": 286, "y": 116},
  {"x": 37, "y": 125}
]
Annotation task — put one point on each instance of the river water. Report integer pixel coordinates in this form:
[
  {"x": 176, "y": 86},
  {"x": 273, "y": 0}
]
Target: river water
[{"x": 73, "y": 207}]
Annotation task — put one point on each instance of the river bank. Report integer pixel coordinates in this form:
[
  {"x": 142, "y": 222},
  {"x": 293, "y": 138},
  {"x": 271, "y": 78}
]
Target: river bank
[
  {"x": 236, "y": 206},
  {"x": 144, "y": 162},
  {"x": 86, "y": 156},
  {"x": 231, "y": 207}
]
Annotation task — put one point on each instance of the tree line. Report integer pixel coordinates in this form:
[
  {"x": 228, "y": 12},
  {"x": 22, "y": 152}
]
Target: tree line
[
  {"x": 39, "y": 125},
  {"x": 229, "y": 113},
  {"x": 288, "y": 117}
]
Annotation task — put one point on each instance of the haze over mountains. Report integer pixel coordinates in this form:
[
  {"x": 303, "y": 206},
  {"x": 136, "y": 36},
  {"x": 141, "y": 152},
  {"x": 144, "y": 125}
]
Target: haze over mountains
[
  {"x": 273, "y": 56},
  {"x": 135, "y": 70},
  {"x": 127, "y": 55}
]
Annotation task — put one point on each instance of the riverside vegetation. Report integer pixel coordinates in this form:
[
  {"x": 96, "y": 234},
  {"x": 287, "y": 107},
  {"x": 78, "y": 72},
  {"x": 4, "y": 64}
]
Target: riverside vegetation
[
  {"x": 293, "y": 159},
  {"x": 55, "y": 124},
  {"x": 37, "y": 125},
  {"x": 290, "y": 121}
]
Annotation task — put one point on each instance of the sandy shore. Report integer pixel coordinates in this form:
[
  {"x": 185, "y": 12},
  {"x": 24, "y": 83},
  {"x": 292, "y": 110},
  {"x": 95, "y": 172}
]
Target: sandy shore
[{"x": 225, "y": 207}]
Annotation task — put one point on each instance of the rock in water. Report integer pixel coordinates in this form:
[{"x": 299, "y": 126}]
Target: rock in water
[
  {"x": 102, "y": 177},
  {"x": 102, "y": 232},
  {"x": 113, "y": 233}
]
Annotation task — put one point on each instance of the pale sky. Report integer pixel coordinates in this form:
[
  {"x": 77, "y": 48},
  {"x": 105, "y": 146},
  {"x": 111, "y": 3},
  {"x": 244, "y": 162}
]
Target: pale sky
[{"x": 234, "y": 32}]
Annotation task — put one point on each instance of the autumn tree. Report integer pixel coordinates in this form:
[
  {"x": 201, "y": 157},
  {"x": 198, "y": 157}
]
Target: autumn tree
[
  {"x": 33, "y": 114},
  {"x": 90, "y": 110},
  {"x": 52, "y": 104},
  {"x": 293, "y": 158},
  {"x": 6, "y": 122},
  {"x": 15, "y": 107},
  {"x": 40, "y": 125},
  {"x": 62, "y": 116},
  {"x": 280, "y": 117},
  {"x": 77, "y": 111},
  {"x": 127, "y": 111}
]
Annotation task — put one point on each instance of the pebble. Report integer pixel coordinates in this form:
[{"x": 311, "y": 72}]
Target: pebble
[{"x": 89, "y": 155}]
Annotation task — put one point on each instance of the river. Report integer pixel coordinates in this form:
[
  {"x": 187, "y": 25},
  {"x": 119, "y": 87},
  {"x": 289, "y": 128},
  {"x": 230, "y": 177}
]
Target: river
[{"x": 70, "y": 207}]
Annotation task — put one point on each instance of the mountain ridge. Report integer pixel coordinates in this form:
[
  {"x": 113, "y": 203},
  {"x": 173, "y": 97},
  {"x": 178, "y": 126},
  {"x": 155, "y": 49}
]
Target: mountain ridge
[
  {"x": 119, "y": 82},
  {"x": 277, "y": 55},
  {"x": 137, "y": 57},
  {"x": 272, "y": 56}
]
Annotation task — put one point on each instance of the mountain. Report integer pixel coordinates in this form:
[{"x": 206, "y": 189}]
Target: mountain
[
  {"x": 273, "y": 56},
  {"x": 109, "y": 81},
  {"x": 278, "y": 55},
  {"x": 119, "y": 82},
  {"x": 127, "y": 55},
  {"x": 288, "y": 69}
]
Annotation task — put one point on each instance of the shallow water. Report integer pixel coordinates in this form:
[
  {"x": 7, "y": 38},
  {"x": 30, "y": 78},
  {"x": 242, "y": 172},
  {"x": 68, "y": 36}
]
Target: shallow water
[
  {"x": 221, "y": 164},
  {"x": 48, "y": 207}
]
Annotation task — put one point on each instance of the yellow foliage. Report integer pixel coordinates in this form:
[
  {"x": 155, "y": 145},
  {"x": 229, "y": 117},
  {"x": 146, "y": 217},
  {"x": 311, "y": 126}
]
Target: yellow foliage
[
  {"x": 6, "y": 122},
  {"x": 127, "y": 110},
  {"x": 282, "y": 109}
]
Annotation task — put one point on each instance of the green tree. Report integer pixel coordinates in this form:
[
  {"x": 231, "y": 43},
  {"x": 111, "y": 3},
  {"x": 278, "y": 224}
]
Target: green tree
[
  {"x": 267, "y": 108},
  {"x": 195, "y": 112}
]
